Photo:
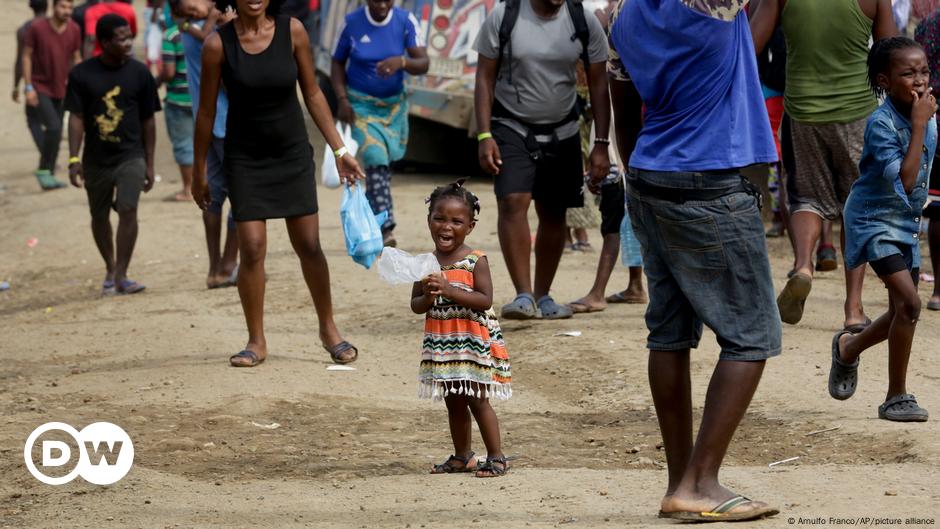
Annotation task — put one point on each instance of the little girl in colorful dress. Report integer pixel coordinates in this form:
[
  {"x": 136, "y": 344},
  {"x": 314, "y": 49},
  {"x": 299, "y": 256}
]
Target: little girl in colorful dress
[
  {"x": 882, "y": 218},
  {"x": 463, "y": 357}
]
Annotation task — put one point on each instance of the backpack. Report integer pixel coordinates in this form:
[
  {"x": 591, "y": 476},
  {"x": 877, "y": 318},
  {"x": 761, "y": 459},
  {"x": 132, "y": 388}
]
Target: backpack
[{"x": 511, "y": 14}]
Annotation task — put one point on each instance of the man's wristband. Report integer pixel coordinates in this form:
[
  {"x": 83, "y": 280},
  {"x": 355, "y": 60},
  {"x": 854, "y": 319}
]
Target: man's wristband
[
  {"x": 404, "y": 62},
  {"x": 29, "y": 88},
  {"x": 484, "y": 136},
  {"x": 605, "y": 141},
  {"x": 339, "y": 153},
  {"x": 74, "y": 160}
]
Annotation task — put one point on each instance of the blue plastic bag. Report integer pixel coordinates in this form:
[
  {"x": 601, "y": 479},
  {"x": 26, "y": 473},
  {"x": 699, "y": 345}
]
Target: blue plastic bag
[{"x": 361, "y": 226}]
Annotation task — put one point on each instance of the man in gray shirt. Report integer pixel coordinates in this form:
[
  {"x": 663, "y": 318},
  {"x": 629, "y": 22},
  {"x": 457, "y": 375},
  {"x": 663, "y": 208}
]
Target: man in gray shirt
[{"x": 526, "y": 110}]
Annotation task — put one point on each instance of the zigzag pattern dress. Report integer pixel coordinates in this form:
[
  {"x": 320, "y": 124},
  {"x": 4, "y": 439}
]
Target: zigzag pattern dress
[{"x": 463, "y": 352}]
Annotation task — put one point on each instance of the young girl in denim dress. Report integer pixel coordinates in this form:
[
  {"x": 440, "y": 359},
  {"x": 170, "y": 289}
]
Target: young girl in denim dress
[{"x": 882, "y": 218}]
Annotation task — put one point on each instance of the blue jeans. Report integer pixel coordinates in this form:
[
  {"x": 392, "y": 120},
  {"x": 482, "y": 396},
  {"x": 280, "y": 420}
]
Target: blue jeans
[{"x": 706, "y": 263}]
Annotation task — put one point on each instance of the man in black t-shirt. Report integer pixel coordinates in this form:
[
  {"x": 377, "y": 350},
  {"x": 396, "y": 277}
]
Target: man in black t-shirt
[{"x": 112, "y": 99}]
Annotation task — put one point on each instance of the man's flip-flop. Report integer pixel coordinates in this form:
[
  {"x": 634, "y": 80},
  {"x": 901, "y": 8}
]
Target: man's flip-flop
[
  {"x": 521, "y": 308},
  {"x": 933, "y": 305},
  {"x": 579, "y": 307},
  {"x": 792, "y": 298},
  {"x": 549, "y": 310},
  {"x": 129, "y": 286},
  {"x": 843, "y": 378},
  {"x": 107, "y": 288},
  {"x": 620, "y": 297},
  {"x": 721, "y": 513},
  {"x": 251, "y": 356},
  {"x": 902, "y": 408},
  {"x": 337, "y": 350}
]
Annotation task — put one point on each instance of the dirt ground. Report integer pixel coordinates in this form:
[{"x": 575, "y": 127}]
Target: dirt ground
[{"x": 353, "y": 448}]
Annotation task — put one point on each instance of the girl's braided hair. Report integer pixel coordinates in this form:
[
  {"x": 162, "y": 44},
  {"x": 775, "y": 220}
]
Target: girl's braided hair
[
  {"x": 879, "y": 58},
  {"x": 458, "y": 191}
]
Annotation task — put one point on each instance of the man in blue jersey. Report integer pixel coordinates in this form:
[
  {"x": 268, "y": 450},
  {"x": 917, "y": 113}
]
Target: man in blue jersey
[
  {"x": 198, "y": 19},
  {"x": 698, "y": 222}
]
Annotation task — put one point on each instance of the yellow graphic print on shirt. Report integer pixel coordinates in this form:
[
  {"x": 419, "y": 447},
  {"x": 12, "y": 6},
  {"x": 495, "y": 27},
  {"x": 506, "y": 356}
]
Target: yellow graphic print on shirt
[{"x": 109, "y": 121}]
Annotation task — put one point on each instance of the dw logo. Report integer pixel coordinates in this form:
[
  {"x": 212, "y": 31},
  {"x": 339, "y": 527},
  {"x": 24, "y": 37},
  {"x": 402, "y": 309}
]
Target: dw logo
[{"x": 105, "y": 453}]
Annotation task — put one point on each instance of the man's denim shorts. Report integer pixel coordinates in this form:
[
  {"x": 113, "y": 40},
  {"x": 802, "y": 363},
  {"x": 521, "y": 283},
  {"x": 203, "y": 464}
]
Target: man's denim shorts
[
  {"x": 179, "y": 126},
  {"x": 706, "y": 263}
]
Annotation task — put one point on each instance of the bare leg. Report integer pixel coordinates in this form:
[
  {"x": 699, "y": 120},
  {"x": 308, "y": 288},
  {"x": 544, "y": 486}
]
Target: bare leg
[
  {"x": 549, "y": 245},
  {"x": 186, "y": 174},
  {"x": 213, "y": 226},
  {"x": 126, "y": 239},
  {"x": 229, "y": 259},
  {"x": 672, "y": 396},
  {"x": 854, "y": 280},
  {"x": 515, "y": 238},
  {"x": 253, "y": 245},
  {"x": 605, "y": 266},
  {"x": 458, "y": 416},
  {"x": 933, "y": 237},
  {"x": 805, "y": 228},
  {"x": 896, "y": 326},
  {"x": 729, "y": 394},
  {"x": 489, "y": 429},
  {"x": 304, "y": 235},
  {"x": 581, "y": 235},
  {"x": 104, "y": 240}
]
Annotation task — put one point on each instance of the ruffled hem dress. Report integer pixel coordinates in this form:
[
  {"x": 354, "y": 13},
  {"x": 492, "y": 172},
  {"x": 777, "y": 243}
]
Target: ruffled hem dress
[{"x": 463, "y": 352}]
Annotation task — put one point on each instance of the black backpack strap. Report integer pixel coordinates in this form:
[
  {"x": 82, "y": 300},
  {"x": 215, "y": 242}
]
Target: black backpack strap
[
  {"x": 510, "y": 15},
  {"x": 581, "y": 32}
]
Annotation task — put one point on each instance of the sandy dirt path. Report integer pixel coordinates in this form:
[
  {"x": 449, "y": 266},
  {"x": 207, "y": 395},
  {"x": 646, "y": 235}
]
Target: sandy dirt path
[{"x": 353, "y": 448}]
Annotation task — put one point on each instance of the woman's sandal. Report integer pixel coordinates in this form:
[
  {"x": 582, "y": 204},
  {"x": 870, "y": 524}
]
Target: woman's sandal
[
  {"x": 337, "y": 351},
  {"x": 251, "y": 356},
  {"x": 448, "y": 467},
  {"x": 489, "y": 468}
]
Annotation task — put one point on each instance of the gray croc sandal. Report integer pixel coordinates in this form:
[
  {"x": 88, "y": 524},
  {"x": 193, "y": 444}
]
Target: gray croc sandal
[
  {"x": 902, "y": 408},
  {"x": 843, "y": 378},
  {"x": 553, "y": 311},
  {"x": 521, "y": 308}
]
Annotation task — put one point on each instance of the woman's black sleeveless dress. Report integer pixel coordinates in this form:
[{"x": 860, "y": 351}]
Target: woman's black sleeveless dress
[{"x": 268, "y": 158}]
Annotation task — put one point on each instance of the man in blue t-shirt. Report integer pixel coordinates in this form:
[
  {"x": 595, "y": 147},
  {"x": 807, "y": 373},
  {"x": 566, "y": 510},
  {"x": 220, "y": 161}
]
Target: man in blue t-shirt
[
  {"x": 699, "y": 225},
  {"x": 197, "y": 20}
]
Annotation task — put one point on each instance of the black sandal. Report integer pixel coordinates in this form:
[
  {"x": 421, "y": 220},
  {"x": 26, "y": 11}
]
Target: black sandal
[
  {"x": 494, "y": 471},
  {"x": 843, "y": 378},
  {"x": 902, "y": 408},
  {"x": 447, "y": 467},
  {"x": 337, "y": 350}
]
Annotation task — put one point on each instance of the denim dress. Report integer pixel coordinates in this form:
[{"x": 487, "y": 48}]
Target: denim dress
[{"x": 881, "y": 219}]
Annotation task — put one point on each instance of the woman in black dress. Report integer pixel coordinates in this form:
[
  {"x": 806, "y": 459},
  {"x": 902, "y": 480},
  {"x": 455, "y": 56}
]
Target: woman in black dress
[{"x": 268, "y": 163}]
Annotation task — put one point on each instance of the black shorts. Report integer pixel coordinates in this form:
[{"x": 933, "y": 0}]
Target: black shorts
[
  {"x": 555, "y": 180},
  {"x": 612, "y": 207},
  {"x": 932, "y": 212},
  {"x": 117, "y": 187},
  {"x": 893, "y": 264}
]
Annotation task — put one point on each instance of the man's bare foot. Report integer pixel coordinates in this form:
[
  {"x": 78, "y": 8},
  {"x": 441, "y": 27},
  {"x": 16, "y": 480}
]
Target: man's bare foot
[
  {"x": 717, "y": 505},
  {"x": 630, "y": 295},
  {"x": 220, "y": 281},
  {"x": 588, "y": 303}
]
